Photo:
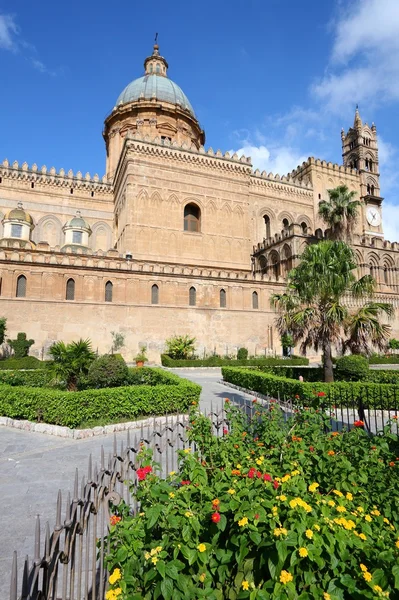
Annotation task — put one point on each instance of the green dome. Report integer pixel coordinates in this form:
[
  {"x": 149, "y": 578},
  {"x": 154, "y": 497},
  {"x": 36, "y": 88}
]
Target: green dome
[{"x": 19, "y": 214}]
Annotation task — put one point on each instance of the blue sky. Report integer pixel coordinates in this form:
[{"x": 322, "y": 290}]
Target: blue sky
[{"x": 275, "y": 80}]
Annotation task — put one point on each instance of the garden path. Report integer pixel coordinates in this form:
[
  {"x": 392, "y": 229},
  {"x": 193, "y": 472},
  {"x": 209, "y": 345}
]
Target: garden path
[{"x": 33, "y": 466}]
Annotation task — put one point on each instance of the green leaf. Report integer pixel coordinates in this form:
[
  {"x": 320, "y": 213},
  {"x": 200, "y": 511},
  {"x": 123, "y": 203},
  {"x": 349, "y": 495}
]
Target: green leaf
[
  {"x": 171, "y": 571},
  {"x": 160, "y": 566},
  {"x": 121, "y": 554},
  {"x": 395, "y": 573},
  {"x": 167, "y": 588},
  {"x": 255, "y": 537},
  {"x": 153, "y": 514},
  {"x": 282, "y": 551}
]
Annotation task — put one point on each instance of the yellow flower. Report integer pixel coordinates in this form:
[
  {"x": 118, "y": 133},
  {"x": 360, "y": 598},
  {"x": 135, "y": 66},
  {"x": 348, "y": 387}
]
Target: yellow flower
[
  {"x": 282, "y": 498},
  {"x": 285, "y": 478},
  {"x": 341, "y": 509},
  {"x": 331, "y": 503},
  {"x": 141, "y": 514},
  {"x": 386, "y": 521},
  {"x": 367, "y": 576},
  {"x": 338, "y": 493},
  {"x": 245, "y": 585},
  {"x": 285, "y": 577},
  {"x": 172, "y": 473},
  {"x": 293, "y": 503},
  {"x": 158, "y": 548},
  {"x": 296, "y": 472},
  {"x": 154, "y": 560},
  {"x": 201, "y": 547},
  {"x": 326, "y": 596},
  {"x": 360, "y": 509},
  {"x": 309, "y": 534},
  {"x": 368, "y": 518},
  {"x": 187, "y": 451},
  {"x": 171, "y": 495},
  {"x": 238, "y": 466},
  {"x": 188, "y": 514},
  {"x": 153, "y": 552},
  {"x": 280, "y": 531},
  {"x": 376, "y": 513},
  {"x": 243, "y": 521},
  {"x": 363, "y": 568},
  {"x": 362, "y": 536},
  {"x": 231, "y": 491},
  {"x": 202, "y": 577},
  {"x": 303, "y": 552},
  {"x": 313, "y": 487},
  {"x": 317, "y": 527},
  {"x": 397, "y": 543},
  {"x": 116, "y": 575},
  {"x": 147, "y": 555},
  {"x": 349, "y": 496},
  {"x": 377, "y": 589}
]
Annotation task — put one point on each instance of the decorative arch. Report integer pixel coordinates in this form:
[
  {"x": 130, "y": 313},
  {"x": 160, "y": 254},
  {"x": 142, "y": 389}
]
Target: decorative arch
[
  {"x": 373, "y": 263},
  {"x": 286, "y": 259},
  {"x": 155, "y": 294},
  {"x": 263, "y": 263},
  {"x": 319, "y": 234},
  {"x": 173, "y": 199},
  {"x": 48, "y": 229},
  {"x": 305, "y": 219},
  {"x": 192, "y": 297},
  {"x": 101, "y": 237},
  {"x": 255, "y": 300},
  {"x": 156, "y": 198},
  {"x": 223, "y": 298},
  {"x": 389, "y": 271},
  {"x": 274, "y": 263}
]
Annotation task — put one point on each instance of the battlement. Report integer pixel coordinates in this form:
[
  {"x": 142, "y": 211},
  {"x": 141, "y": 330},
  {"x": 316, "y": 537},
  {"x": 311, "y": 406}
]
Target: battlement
[
  {"x": 317, "y": 162},
  {"x": 283, "y": 180},
  {"x": 50, "y": 177}
]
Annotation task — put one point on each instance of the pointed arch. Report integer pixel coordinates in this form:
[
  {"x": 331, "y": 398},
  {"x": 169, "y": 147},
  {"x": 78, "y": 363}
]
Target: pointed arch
[
  {"x": 48, "y": 229},
  {"x": 20, "y": 291},
  {"x": 222, "y": 298},
  {"x": 255, "y": 300},
  {"x": 192, "y": 217},
  {"x": 70, "y": 289},
  {"x": 192, "y": 299},
  {"x": 155, "y": 294},
  {"x": 101, "y": 237},
  {"x": 109, "y": 288}
]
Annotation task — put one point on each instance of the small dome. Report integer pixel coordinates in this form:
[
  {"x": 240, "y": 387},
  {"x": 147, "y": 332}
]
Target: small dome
[
  {"x": 156, "y": 87},
  {"x": 77, "y": 222},
  {"x": 18, "y": 214}
]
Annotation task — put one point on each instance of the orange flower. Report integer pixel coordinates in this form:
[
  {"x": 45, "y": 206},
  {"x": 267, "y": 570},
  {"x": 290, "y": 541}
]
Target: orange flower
[
  {"x": 331, "y": 453},
  {"x": 236, "y": 472},
  {"x": 236, "y": 446},
  {"x": 215, "y": 503},
  {"x": 391, "y": 464},
  {"x": 114, "y": 520},
  {"x": 193, "y": 403}
]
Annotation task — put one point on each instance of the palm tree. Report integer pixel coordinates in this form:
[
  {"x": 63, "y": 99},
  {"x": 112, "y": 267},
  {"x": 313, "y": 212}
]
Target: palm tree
[
  {"x": 340, "y": 212},
  {"x": 313, "y": 308},
  {"x": 71, "y": 361}
]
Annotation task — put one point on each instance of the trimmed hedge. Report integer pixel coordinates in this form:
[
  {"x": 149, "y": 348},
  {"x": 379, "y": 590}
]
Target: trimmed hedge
[
  {"x": 110, "y": 404},
  {"x": 384, "y": 396},
  {"x": 215, "y": 361},
  {"x": 311, "y": 374},
  {"x": 393, "y": 359},
  {"x": 37, "y": 378},
  {"x": 28, "y": 362}
]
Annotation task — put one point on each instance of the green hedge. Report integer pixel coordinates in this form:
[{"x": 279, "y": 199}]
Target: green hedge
[
  {"x": 311, "y": 374},
  {"x": 28, "y": 362},
  {"x": 384, "y": 396},
  {"x": 375, "y": 359},
  {"x": 37, "y": 378},
  {"x": 215, "y": 361},
  {"x": 110, "y": 405}
]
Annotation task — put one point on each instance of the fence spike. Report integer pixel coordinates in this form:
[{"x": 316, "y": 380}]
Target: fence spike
[
  {"x": 95, "y": 473},
  {"x": 76, "y": 487},
  {"x": 82, "y": 487},
  {"x": 58, "y": 525},
  {"x": 68, "y": 511},
  {"x": 25, "y": 578},
  {"x": 13, "y": 585},
  {"x": 47, "y": 542},
  {"x": 36, "y": 558},
  {"x": 115, "y": 446},
  {"x": 128, "y": 438}
]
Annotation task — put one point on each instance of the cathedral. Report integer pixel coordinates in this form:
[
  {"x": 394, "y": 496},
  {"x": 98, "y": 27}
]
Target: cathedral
[{"x": 174, "y": 238}]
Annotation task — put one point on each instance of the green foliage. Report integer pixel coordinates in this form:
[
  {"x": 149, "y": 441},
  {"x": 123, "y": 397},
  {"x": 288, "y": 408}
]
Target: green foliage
[
  {"x": 214, "y": 361},
  {"x": 383, "y": 396},
  {"x": 142, "y": 355},
  {"x": 352, "y": 368},
  {"x": 389, "y": 359},
  {"x": 180, "y": 347},
  {"x": 71, "y": 361},
  {"x": 3, "y": 329},
  {"x": 36, "y": 378},
  {"x": 242, "y": 354},
  {"x": 287, "y": 341},
  {"x": 29, "y": 362},
  {"x": 393, "y": 344},
  {"x": 110, "y": 405},
  {"x": 275, "y": 509},
  {"x": 21, "y": 345},
  {"x": 340, "y": 212},
  {"x": 118, "y": 341},
  {"x": 107, "y": 371},
  {"x": 152, "y": 376}
]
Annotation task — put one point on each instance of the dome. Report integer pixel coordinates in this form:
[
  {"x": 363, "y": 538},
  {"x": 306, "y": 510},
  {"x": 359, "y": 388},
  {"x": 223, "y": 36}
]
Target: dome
[
  {"x": 18, "y": 214},
  {"x": 156, "y": 87},
  {"x": 77, "y": 222}
]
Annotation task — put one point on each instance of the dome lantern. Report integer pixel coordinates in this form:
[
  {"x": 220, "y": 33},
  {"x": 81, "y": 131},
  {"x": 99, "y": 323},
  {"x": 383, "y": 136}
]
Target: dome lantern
[{"x": 77, "y": 232}]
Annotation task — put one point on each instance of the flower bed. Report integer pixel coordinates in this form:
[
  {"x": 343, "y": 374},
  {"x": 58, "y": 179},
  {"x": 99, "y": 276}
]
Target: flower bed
[
  {"x": 271, "y": 510},
  {"x": 371, "y": 395},
  {"x": 168, "y": 394}
]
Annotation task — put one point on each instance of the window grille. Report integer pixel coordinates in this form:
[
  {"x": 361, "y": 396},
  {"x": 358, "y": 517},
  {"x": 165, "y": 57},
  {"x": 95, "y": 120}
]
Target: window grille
[
  {"x": 255, "y": 300},
  {"x": 154, "y": 294},
  {"x": 193, "y": 296},
  {"x": 222, "y": 298}
]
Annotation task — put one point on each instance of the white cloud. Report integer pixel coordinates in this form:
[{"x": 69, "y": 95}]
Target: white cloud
[
  {"x": 278, "y": 159},
  {"x": 364, "y": 63},
  {"x": 390, "y": 221},
  {"x": 8, "y": 33}
]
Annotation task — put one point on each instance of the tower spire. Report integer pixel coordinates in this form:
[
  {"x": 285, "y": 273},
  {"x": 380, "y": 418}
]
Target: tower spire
[
  {"x": 156, "y": 64},
  {"x": 358, "y": 121}
]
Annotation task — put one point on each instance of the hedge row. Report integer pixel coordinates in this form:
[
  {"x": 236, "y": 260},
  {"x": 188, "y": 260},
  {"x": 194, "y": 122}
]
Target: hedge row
[
  {"x": 215, "y": 361},
  {"x": 28, "y": 362},
  {"x": 71, "y": 409},
  {"x": 384, "y": 360},
  {"x": 311, "y": 374},
  {"x": 372, "y": 395}
]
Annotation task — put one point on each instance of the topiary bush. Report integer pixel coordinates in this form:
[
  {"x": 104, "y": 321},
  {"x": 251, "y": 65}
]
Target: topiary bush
[
  {"x": 352, "y": 368},
  {"x": 107, "y": 371},
  {"x": 21, "y": 345},
  {"x": 242, "y": 354}
]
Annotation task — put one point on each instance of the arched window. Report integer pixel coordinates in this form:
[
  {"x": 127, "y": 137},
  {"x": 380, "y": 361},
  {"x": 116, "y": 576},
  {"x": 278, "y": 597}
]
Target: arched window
[
  {"x": 70, "y": 290},
  {"x": 21, "y": 287},
  {"x": 263, "y": 263},
  {"x": 386, "y": 276},
  {"x": 285, "y": 224},
  {"x": 192, "y": 218},
  {"x": 155, "y": 294},
  {"x": 274, "y": 261},
  {"x": 108, "y": 291},
  {"x": 319, "y": 234},
  {"x": 372, "y": 190},
  {"x": 255, "y": 300},
  {"x": 304, "y": 228},
  {"x": 158, "y": 68},
  {"x": 222, "y": 298},
  {"x": 267, "y": 226},
  {"x": 151, "y": 68},
  {"x": 192, "y": 296},
  {"x": 368, "y": 188}
]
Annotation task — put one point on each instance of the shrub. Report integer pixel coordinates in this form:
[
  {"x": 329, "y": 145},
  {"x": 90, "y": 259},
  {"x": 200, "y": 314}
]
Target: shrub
[
  {"x": 214, "y": 361},
  {"x": 377, "y": 359},
  {"x": 393, "y": 344},
  {"x": 73, "y": 408},
  {"x": 36, "y": 378},
  {"x": 271, "y": 510},
  {"x": 242, "y": 354},
  {"x": 71, "y": 362},
  {"x": 21, "y": 345},
  {"x": 29, "y": 362},
  {"x": 3, "y": 329},
  {"x": 352, "y": 368},
  {"x": 384, "y": 396},
  {"x": 180, "y": 346},
  {"x": 107, "y": 371}
]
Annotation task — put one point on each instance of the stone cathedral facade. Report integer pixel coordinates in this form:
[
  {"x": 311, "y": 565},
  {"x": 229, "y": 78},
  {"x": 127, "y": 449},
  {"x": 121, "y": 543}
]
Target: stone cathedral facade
[{"x": 175, "y": 238}]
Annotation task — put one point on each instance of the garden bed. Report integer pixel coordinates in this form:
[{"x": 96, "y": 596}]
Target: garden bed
[{"x": 151, "y": 392}]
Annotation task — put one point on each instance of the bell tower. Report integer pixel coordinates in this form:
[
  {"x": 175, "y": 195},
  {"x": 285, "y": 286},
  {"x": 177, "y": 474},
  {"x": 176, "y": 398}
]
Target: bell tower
[{"x": 360, "y": 151}]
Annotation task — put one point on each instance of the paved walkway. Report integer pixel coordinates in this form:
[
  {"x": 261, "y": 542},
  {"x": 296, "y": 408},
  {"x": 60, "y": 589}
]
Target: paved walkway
[{"x": 33, "y": 466}]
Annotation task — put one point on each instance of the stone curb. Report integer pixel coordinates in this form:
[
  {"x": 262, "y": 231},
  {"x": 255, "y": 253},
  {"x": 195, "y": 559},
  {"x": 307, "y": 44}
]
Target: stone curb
[{"x": 80, "y": 434}]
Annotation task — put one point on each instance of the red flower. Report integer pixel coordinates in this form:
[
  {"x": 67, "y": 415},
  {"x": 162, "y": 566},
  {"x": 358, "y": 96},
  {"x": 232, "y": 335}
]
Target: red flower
[
  {"x": 226, "y": 401},
  {"x": 311, "y": 448},
  {"x": 267, "y": 477},
  {"x": 254, "y": 401},
  {"x": 321, "y": 394},
  {"x": 359, "y": 423},
  {"x": 275, "y": 484},
  {"x": 256, "y": 517},
  {"x": 215, "y": 517},
  {"x": 251, "y": 472},
  {"x": 225, "y": 431},
  {"x": 185, "y": 482},
  {"x": 374, "y": 447},
  {"x": 391, "y": 464},
  {"x": 143, "y": 472},
  {"x": 297, "y": 396},
  {"x": 114, "y": 519}
]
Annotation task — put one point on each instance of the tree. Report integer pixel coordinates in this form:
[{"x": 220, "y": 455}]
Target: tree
[
  {"x": 313, "y": 308},
  {"x": 180, "y": 346},
  {"x": 340, "y": 212},
  {"x": 3, "y": 329},
  {"x": 118, "y": 341},
  {"x": 21, "y": 345},
  {"x": 71, "y": 361}
]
